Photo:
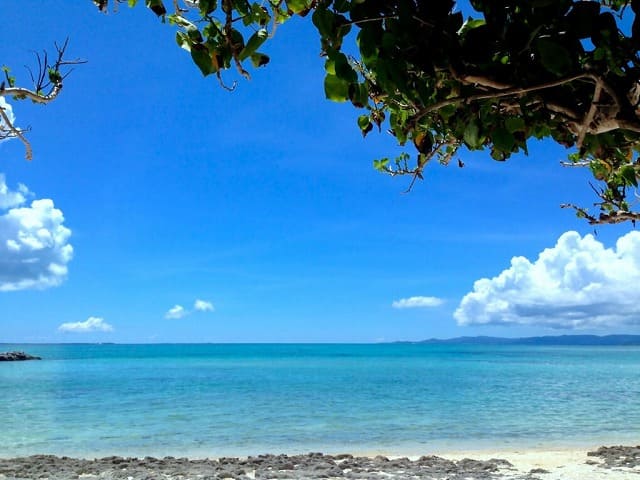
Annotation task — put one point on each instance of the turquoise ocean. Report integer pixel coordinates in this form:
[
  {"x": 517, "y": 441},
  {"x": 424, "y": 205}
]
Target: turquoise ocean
[{"x": 209, "y": 400}]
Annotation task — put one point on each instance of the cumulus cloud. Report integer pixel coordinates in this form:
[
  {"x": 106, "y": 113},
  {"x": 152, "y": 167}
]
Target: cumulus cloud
[
  {"x": 578, "y": 283},
  {"x": 178, "y": 311},
  {"x": 34, "y": 243},
  {"x": 5, "y": 133},
  {"x": 417, "y": 302},
  {"x": 175, "y": 312},
  {"x": 91, "y": 324},
  {"x": 203, "y": 306}
]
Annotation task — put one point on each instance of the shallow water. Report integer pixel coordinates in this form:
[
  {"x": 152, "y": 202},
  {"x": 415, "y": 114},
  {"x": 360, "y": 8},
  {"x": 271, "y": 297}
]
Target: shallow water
[{"x": 213, "y": 400}]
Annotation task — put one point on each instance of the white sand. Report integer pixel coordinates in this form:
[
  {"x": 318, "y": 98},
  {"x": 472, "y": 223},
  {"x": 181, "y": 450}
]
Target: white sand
[{"x": 561, "y": 464}]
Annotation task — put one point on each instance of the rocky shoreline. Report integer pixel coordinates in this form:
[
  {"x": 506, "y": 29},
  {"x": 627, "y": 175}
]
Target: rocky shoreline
[
  {"x": 16, "y": 357},
  {"x": 299, "y": 467}
]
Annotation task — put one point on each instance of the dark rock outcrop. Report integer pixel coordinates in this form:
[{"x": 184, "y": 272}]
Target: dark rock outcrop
[
  {"x": 618, "y": 456},
  {"x": 312, "y": 466},
  {"x": 16, "y": 356}
]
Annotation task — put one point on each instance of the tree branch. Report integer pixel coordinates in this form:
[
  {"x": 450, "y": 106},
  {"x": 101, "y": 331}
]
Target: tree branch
[
  {"x": 47, "y": 86},
  {"x": 503, "y": 93},
  {"x": 629, "y": 125},
  {"x": 604, "y": 218},
  {"x": 588, "y": 118},
  {"x": 581, "y": 163},
  {"x": 31, "y": 95},
  {"x": 17, "y": 133}
]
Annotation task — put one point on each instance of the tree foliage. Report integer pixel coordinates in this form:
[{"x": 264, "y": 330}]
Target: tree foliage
[{"x": 492, "y": 79}]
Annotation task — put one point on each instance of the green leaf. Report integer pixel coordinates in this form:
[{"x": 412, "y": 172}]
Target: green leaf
[
  {"x": 364, "y": 122},
  {"x": 259, "y": 15},
  {"x": 367, "y": 43},
  {"x": 599, "y": 170},
  {"x": 503, "y": 140},
  {"x": 471, "y": 135},
  {"x": 514, "y": 124},
  {"x": 342, "y": 6},
  {"x": 381, "y": 164},
  {"x": 447, "y": 111},
  {"x": 298, "y": 6},
  {"x": 54, "y": 75},
  {"x": 207, "y": 6},
  {"x": 335, "y": 88},
  {"x": 470, "y": 24},
  {"x": 202, "y": 58},
  {"x": 241, "y": 6},
  {"x": 194, "y": 34},
  {"x": 324, "y": 21},
  {"x": 255, "y": 41},
  {"x": 628, "y": 173},
  {"x": 342, "y": 68},
  {"x": 358, "y": 94},
  {"x": 330, "y": 66},
  {"x": 259, "y": 59},
  {"x": 553, "y": 56},
  {"x": 181, "y": 22},
  {"x": 156, "y": 6},
  {"x": 182, "y": 39}
]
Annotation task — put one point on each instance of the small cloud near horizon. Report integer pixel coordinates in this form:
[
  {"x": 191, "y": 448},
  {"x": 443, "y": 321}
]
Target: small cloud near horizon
[
  {"x": 576, "y": 284},
  {"x": 203, "y": 306},
  {"x": 417, "y": 302},
  {"x": 91, "y": 324},
  {"x": 178, "y": 311}
]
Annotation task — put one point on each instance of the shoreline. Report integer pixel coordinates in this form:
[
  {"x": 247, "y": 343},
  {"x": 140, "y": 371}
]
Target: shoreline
[{"x": 612, "y": 463}]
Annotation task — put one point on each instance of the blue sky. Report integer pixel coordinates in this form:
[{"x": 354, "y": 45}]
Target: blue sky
[{"x": 263, "y": 205}]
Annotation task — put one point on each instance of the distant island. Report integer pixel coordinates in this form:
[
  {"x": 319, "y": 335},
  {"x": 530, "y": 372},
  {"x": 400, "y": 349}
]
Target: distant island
[{"x": 586, "y": 340}]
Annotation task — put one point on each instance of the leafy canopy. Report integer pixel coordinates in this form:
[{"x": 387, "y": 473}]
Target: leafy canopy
[{"x": 511, "y": 71}]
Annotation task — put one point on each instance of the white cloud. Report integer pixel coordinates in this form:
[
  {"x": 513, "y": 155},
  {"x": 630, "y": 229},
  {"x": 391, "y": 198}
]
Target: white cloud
[
  {"x": 178, "y": 311},
  {"x": 203, "y": 306},
  {"x": 9, "y": 198},
  {"x": 34, "y": 248},
  {"x": 417, "y": 302},
  {"x": 175, "y": 312},
  {"x": 91, "y": 324},
  {"x": 8, "y": 110},
  {"x": 576, "y": 284}
]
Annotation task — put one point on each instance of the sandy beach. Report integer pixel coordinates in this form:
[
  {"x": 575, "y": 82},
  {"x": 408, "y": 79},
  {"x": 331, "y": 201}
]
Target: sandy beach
[{"x": 611, "y": 463}]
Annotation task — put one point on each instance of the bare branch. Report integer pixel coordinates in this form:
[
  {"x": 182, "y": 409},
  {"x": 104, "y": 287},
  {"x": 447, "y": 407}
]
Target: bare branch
[
  {"x": 588, "y": 118},
  {"x": 629, "y": 125},
  {"x": 604, "y": 218},
  {"x": 30, "y": 94},
  {"x": 17, "y": 133},
  {"x": 509, "y": 92},
  {"x": 562, "y": 110},
  {"x": 581, "y": 163},
  {"x": 515, "y": 91},
  {"x": 47, "y": 86}
]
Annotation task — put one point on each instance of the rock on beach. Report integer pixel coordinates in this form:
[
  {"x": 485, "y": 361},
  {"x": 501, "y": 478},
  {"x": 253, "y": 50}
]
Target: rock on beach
[
  {"x": 16, "y": 356},
  {"x": 615, "y": 463},
  {"x": 291, "y": 467}
]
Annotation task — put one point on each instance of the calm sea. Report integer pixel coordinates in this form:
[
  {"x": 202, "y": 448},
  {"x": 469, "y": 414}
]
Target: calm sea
[{"x": 214, "y": 400}]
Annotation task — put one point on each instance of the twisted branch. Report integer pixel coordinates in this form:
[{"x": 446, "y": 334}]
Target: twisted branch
[
  {"x": 605, "y": 218},
  {"x": 17, "y": 133},
  {"x": 49, "y": 77}
]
